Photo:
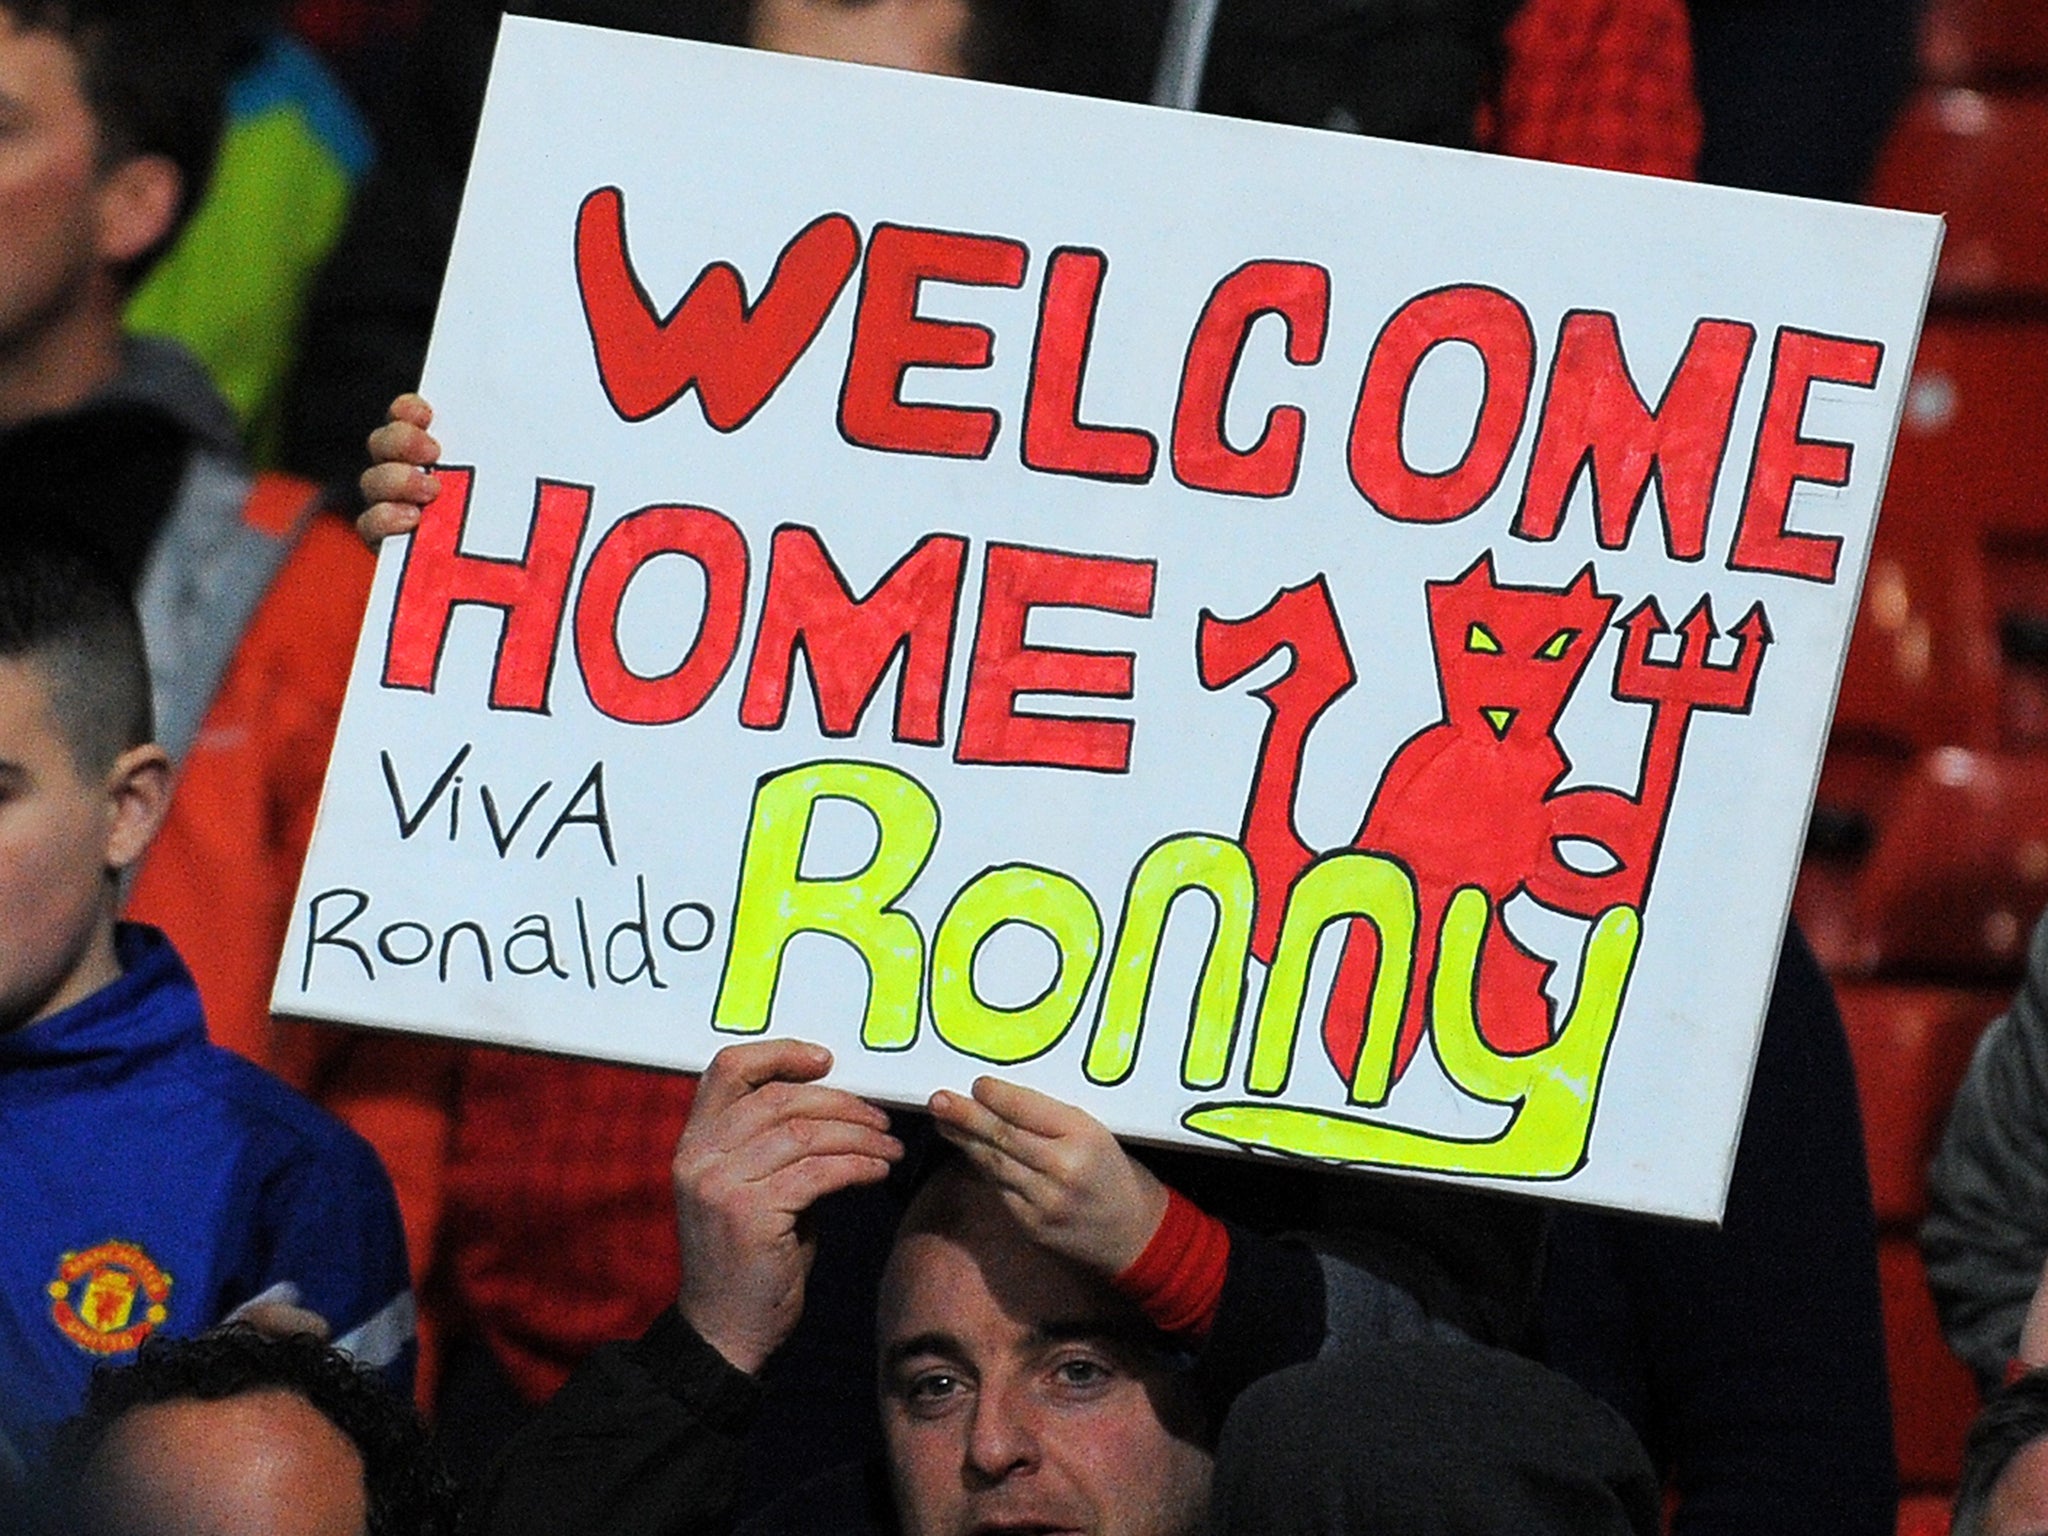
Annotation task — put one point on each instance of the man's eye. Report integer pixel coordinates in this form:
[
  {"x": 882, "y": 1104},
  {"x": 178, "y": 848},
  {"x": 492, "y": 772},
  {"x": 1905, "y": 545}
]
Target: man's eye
[
  {"x": 1081, "y": 1373},
  {"x": 930, "y": 1391}
]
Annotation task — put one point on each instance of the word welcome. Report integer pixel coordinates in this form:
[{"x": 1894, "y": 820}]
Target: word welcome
[{"x": 734, "y": 353}]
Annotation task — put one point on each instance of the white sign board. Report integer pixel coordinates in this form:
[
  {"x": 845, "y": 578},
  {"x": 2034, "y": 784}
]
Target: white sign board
[{"x": 1287, "y": 641}]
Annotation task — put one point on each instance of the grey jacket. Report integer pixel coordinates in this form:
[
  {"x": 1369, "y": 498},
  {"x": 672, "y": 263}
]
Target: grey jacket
[
  {"x": 208, "y": 568},
  {"x": 1986, "y": 1233}
]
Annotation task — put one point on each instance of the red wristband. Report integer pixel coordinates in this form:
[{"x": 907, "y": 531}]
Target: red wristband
[
  {"x": 2015, "y": 1368},
  {"x": 1178, "y": 1280}
]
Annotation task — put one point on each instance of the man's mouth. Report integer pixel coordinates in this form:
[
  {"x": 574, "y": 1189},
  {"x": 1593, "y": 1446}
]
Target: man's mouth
[{"x": 1028, "y": 1524}]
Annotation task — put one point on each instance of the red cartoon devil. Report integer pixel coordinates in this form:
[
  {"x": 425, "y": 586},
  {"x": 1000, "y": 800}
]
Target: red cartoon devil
[{"x": 1474, "y": 799}]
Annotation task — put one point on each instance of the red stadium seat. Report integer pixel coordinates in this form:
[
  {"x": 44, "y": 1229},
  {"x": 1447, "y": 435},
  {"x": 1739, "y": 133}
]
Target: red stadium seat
[
  {"x": 1963, "y": 41},
  {"x": 1973, "y": 446},
  {"x": 1975, "y": 157},
  {"x": 1959, "y": 871},
  {"x": 1910, "y": 1045},
  {"x": 1923, "y": 662},
  {"x": 1934, "y": 1396}
]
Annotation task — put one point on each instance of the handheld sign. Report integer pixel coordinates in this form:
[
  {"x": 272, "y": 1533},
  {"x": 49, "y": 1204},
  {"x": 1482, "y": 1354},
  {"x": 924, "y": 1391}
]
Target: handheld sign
[{"x": 1292, "y": 643}]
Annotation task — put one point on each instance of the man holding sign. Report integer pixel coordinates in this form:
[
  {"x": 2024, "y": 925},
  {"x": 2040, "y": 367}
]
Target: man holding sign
[{"x": 1058, "y": 1344}]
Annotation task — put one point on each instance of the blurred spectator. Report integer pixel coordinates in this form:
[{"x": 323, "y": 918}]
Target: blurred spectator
[
  {"x": 250, "y": 602},
  {"x": 1799, "y": 94},
  {"x": 158, "y": 1183},
  {"x": 2004, "y": 1488},
  {"x": 1750, "y": 1357},
  {"x": 233, "y": 286},
  {"x": 1986, "y": 1233}
]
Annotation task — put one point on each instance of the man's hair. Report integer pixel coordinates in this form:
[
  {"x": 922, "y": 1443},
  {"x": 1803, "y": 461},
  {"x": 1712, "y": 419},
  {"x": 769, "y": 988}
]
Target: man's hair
[
  {"x": 154, "y": 73},
  {"x": 2013, "y": 1418},
  {"x": 64, "y": 609},
  {"x": 407, "y": 1488}
]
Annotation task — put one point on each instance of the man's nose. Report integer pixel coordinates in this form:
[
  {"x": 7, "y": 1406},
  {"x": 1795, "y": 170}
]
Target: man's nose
[{"x": 1002, "y": 1436}]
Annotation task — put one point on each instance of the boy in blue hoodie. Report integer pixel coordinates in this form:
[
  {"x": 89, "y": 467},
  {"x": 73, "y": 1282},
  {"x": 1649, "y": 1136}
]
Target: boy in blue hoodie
[{"x": 149, "y": 1182}]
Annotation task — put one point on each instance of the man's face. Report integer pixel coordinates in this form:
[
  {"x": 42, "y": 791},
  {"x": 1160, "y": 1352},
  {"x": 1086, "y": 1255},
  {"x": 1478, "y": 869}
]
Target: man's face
[
  {"x": 2019, "y": 1500},
  {"x": 925, "y": 35},
  {"x": 50, "y": 179},
  {"x": 1021, "y": 1395},
  {"x": 265, "y": 1463},
  {"x": 55, "y": 822}
]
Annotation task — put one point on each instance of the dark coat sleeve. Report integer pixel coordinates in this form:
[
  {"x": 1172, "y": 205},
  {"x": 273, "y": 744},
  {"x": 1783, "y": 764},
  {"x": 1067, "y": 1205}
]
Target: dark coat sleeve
[
  {"x": 1751, "y": 1359},
  {"x": 644, "y": 1440}
]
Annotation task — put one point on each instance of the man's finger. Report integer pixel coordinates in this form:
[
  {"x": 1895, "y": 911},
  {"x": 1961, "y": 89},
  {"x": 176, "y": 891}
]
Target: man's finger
[
  {"x": 738, "y": 1070},
  {"x": 1020, "y": 1122},
  {"x": 403, "y": 484},
  {"x": 995, "y": 1161},
  {"x": 961, "y": 1120},
  {"x": 402, "y": 442},
  {"x": 762, "y": 1156},
  {"x": 1029, "y": 1110},
  {"x": 803, "y": 1184},
  {"x": 761, "y": 1111},
  {"x": 413, "y": 408},
  {"x": 386, "y": 520}
]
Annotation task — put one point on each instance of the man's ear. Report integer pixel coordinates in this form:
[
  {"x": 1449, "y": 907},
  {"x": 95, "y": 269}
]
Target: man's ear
[
  {"x": 138, "y": 202},
  {"x": 138, "y": 795}
]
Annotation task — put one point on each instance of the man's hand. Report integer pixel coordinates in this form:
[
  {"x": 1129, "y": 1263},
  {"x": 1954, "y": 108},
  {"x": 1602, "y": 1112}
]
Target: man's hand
[
  {"x": 764, "y": 1143},
  {"x": 398, "y": 482},
  {"x": 1065, "y": 1179},
  {"x": 280, "y": 1320}
]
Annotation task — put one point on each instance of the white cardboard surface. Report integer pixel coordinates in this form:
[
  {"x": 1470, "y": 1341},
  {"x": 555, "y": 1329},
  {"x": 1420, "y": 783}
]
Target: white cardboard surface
[{"x": 541, "y": 872}]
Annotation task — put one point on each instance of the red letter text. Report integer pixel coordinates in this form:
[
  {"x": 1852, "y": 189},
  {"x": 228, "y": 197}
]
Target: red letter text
[
  {"x": 1594, "y": 416},
  {"x": 735, "y": 354},
  {"x": 716, "y": 544},
  {"x": 890, "y": 338},
  {"x": 849, "y": 642},
  {"x": 1054, "y": 437},
  {"x": 1300, "y": 295},
  {"x": 1015, "y": 581},
  {"x": 532, "y": 591},
  {"x": 1784, "y": 459},
  {"x": 1494, "y": 324}
]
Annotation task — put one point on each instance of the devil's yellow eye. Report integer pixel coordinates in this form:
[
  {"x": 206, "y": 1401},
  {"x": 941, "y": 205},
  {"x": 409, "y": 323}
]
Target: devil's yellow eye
[
  {"x": 1480, "y": 638},
  {"x": 1555, "y": 647}
]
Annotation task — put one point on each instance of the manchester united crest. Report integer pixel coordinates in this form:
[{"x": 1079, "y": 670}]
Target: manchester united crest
[{"x": 108, "y": 1298}]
